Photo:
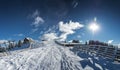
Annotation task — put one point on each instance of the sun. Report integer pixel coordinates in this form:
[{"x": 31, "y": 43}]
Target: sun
[{"x": 94, "y": 27}]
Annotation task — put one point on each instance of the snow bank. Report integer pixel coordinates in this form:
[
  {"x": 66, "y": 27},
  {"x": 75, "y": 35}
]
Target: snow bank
[{"x": 50, "y": 56}]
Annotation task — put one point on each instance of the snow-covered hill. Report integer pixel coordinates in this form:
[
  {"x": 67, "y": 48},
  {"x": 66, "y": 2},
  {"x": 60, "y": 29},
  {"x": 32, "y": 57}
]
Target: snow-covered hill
[{"x": 50, "y": 56}]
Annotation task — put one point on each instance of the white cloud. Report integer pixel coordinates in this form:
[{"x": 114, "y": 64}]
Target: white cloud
[
  {"x": 49, "y": 36},
  {"x": 110, "y": 41},
  {"x": 50, "y": 33},
  {"x": 64, "y": 36},
  {"x": 36, "y": 13},
  {"x": 78, "y": 36},
  {"x": 68, "y": 28},
  {"x": 65, "y": 28},
  {"x": 34, "y": 30},
  {"x": 81, "y": 41},
  {"x": 19, "y": 34},
  {"x": 3, "y": 41},
  {"x": 51, "y": 29},
  {"x": 75, "y": 4},
  {"x": 70, "y": 41},
  {"x": 37, "y": 21},
  {"x": 119, "y": 45}
]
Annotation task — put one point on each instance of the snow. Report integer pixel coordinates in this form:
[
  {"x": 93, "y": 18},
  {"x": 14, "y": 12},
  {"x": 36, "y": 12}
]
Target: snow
[{"x": 51, "y": 56}]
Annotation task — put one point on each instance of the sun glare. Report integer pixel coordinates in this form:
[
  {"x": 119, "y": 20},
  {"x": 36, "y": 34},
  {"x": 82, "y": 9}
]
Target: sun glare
[{"x": 94, "y": 27}]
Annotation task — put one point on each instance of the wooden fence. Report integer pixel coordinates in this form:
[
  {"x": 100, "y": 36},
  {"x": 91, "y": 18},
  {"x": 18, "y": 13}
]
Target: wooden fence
[
  {"x": 105, "y": 51},
  {"x": 111, "y": 52}
]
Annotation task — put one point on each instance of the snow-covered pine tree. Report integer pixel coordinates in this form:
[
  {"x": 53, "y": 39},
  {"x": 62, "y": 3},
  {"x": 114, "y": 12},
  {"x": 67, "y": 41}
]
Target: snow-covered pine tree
[{"x": 20, "y": 43}]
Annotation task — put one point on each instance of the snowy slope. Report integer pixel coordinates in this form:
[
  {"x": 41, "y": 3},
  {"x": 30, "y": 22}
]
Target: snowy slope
[{"x": 50, "y": 56}]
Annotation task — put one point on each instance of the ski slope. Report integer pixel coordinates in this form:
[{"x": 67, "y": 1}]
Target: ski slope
[{"x": 50, "y": 56}]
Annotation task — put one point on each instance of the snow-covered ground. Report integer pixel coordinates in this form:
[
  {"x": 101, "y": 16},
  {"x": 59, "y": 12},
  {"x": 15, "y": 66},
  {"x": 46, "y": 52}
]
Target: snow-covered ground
[{"x": 50, "y": 56}]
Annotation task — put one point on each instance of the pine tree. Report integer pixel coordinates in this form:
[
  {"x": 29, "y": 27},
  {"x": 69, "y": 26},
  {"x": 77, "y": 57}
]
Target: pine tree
[
  {"x": 26, "y": 41},
  {"x": 20, "y": 43},
  {"x": 10, "y": 45}
]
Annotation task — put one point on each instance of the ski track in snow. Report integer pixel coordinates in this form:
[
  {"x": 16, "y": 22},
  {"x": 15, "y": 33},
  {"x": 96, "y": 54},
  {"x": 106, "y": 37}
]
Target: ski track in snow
[{"x": 48, "y": 57}]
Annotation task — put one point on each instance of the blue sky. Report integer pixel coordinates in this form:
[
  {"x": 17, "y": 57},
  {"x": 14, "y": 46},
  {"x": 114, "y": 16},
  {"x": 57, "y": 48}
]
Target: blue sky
[{"x": 17, "y": 18}]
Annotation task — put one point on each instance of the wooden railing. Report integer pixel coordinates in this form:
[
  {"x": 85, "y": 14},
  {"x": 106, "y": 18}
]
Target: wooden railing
[{"x": 105, "y": 51}]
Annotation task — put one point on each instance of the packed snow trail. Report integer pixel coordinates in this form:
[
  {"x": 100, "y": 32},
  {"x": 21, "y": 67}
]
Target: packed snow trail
[{"x": 48, "y": 56}]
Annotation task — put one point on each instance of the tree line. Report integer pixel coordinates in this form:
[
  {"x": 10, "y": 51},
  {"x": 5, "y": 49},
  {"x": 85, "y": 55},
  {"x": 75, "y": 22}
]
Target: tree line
[{"x": 6, "y": 46}]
